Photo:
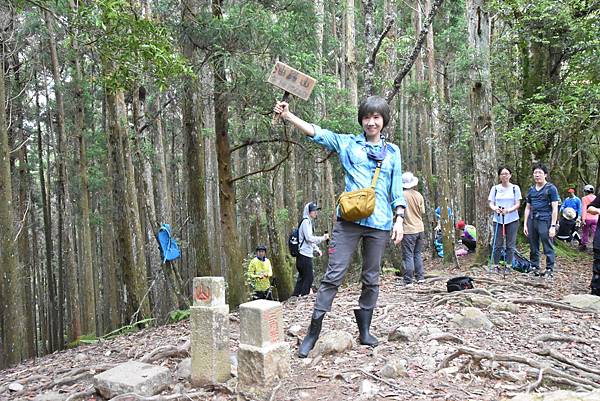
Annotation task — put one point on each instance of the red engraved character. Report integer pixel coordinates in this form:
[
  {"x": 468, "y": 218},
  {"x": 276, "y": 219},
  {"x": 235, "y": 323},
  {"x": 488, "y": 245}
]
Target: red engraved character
[
  {"x": 273, "y": 327},
  {"x": 201, "y": 294}
]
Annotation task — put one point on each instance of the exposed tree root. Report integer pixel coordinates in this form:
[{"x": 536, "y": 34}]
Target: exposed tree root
[
  {"x": 563, "y": 338},
  {"x": 168, "y": 351},
  {"x": 569, "y": 361},
  {"x": 201, "y": 395},
  {"x": 479, "y": 355},
  {"x": 552, "y": 304}
]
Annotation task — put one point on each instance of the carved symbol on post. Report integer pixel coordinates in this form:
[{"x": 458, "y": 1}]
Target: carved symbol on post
[
  {"x": 273, "y": 326},
  {"x": 201, "y": 294}
]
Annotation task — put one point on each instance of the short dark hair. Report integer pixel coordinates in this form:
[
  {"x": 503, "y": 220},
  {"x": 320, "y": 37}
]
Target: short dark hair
[
  {"x": 539, "y": 166},
  {"x": 504, "y": 168},
  {"x": 374, "y": 104}
]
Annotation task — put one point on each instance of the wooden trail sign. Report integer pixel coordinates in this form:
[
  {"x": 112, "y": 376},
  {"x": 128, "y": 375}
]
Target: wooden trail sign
[{"x": 291, "y": 81}]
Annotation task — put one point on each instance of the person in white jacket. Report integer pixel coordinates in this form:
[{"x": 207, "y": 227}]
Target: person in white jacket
[{"x": 308, "y": 246}]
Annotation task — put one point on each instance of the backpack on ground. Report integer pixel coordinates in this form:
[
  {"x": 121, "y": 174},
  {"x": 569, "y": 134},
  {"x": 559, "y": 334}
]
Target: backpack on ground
[
  {"x": 520, "y": 263},
  {"x": 294, "y": 240},
  {"x": 459, "y": 283},
  {"x": 167, "y": 244}
]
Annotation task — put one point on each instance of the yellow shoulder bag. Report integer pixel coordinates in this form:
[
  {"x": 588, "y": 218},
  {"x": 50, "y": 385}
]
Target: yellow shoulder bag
[{"x": 356, "y": 205}]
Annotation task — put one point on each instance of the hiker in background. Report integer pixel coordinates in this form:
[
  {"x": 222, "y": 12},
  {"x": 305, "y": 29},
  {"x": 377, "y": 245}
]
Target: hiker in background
[
  {"x": 308, "y": 246},
  {"x": 468, "y": 235},
  {"x": 541, "y": 215},
  {"x": 588, "y": 220},
  {"x": 594, "y": 210},
  {"x": 260, "y": 273},
  {"x": 369, "y": 162},
  {"x": 504, "y": 200},
  {"x": 572, "y": 201},
  {"x": 414, "y": 231}
]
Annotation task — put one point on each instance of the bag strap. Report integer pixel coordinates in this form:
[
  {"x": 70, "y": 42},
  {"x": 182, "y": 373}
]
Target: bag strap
[{"x": 376, "y": 175}]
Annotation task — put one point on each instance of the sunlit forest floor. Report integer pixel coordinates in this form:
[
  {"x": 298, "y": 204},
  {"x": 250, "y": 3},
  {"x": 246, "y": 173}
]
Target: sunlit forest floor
[{"x": 438, "y": 360}]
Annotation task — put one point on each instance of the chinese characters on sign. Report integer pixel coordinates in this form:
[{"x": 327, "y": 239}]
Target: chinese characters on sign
[
  {"x": 273, "y": 326},
  {"x": 291, "y": 80}
]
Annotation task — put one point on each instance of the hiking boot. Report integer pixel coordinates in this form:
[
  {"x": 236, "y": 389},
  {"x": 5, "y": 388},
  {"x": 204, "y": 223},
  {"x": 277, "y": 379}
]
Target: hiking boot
[
  {"x": 548, "y": 274},
  {"x": 313, "y": 334},
  {"x": 421, "y": 281},
  {"x": 363, "y": 320}
]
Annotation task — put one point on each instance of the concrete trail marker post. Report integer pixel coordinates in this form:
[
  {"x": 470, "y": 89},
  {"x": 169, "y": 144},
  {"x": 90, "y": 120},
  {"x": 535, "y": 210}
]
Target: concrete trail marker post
[{"x": 292, "y": 82}]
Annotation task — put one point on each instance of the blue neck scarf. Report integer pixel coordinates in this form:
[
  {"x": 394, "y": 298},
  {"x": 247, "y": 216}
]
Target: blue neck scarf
[{"x": 377, "y": 155}]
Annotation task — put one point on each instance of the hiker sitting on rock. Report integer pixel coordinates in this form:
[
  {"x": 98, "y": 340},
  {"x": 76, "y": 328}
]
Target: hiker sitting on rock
[{"x": 371, "y": 165}]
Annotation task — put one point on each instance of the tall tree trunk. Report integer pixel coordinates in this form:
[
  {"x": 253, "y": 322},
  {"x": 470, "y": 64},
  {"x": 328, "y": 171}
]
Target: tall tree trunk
[
  {"x": 65, "y": 216},
  {"x": 422, "y": 130},
  {"x": 128, "y": 228},
  {"x": 482, "y": 122},
  {"x": 233, "y": 254},
  {"x": 24, "y": 206},
  {"x": 351, "y": 68},
  {"x": 88, "y": 288},
  {"x": 11, "y": 304},
  {"x": 439, "y": 136},
  {"x": 194, "y": 155},
  {"x": 50, "y": 296}
]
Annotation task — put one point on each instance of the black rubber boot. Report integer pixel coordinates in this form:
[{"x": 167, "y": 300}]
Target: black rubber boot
[
  {"x": 313, "y": 334},
  {"x": 363, "y": 319}
]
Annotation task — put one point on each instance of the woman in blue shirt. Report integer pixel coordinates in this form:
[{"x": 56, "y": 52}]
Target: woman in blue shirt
[
  {"x": 359, "y": 156},
  {"x": 505, "y": 200}
]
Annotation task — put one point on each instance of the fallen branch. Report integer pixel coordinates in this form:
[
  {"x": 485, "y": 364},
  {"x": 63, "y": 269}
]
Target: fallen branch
[
  {"x": 389, "y": 383},
  {"x": 530, "y": 387}
]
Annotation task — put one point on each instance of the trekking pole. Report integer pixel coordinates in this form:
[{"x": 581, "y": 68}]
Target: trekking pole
[
  {"x": 493, "y": 246},
  {"x": 504, "y": 246}
]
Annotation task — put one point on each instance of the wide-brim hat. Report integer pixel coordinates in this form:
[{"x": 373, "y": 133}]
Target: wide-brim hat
[
  {"x": 569, "y": 213},
  {"x": 409, "y": 180}
]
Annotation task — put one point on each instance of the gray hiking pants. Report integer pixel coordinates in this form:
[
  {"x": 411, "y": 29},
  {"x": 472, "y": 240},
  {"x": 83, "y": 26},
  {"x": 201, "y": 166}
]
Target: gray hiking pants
[
  {"x": 342, "y": 245},
  {"x": 412, "y": 246}
]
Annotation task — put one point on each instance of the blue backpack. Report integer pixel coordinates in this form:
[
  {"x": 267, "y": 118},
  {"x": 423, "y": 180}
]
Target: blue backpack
[
  {"x": 521, "y": 263},
  {"x": 167, "y": 244}
]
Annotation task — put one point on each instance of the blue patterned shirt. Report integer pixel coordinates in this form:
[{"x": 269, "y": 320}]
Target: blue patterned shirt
[{"x": 359, "y": 171}]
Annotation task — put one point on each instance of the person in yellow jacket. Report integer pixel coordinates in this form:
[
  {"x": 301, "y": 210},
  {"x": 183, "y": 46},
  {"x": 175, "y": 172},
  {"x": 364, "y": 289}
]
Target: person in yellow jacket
[{"x": 260, "y": 272}]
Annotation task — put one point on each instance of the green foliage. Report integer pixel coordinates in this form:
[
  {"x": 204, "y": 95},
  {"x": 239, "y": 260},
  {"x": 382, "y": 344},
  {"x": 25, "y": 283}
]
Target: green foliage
[
  {"x": 130, "y": 328},
  {"x": 129, "y": 45},
  {"x": 179, "y": 315}
]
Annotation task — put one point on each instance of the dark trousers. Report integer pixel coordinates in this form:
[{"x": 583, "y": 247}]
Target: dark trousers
[
  {"x": 304, "y": 265},
  {"x": 538, "y": 232},
  {"x": 469, "y": 243},
  {"x": 596, "y": 267},
  {"x": 507, "y": 242},
  {"x": 344, "y": 242}
]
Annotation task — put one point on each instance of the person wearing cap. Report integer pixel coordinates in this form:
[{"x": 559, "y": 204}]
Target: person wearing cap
[
  {"x": 572, "y": 201},
  {"x": 468, "y": 235},
  {"x": 589, "y": 221},
  {"x": 414, "y": 231},
  {"x": 505, "y": 199},
  {"x": 540, "y": 219},
  {"x": 359, "y": 156},
  {"x": 260, "y": 272},
  {"x": 308, "y": 246}
]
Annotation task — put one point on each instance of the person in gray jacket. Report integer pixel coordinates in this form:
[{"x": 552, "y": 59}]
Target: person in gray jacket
[{"x": 308, "y": 246}]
